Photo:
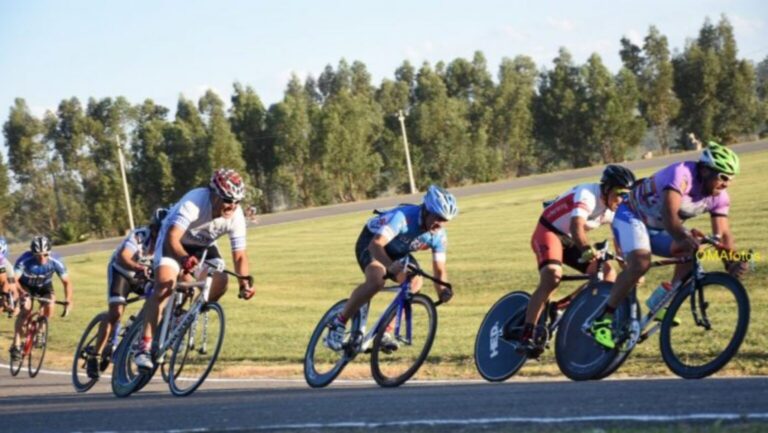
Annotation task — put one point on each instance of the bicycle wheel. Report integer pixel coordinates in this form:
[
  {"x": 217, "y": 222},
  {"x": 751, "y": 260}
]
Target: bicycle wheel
[
  {"x": 322, "y": 364},
  {"x": 696, "y": 350},
  {"x": 496, "y": 355},
  {"x": 39, "y": 344},
  {"x": 578, "y": 355},
  {"x": 16, "y": 364},
  {"x": 396, "y": 367},
  {"x": 126, "y": 377},
  {"x": 179, "y": 365},
  {"x": 80, "y": 379},
  {"x": 196, "y": 350}
]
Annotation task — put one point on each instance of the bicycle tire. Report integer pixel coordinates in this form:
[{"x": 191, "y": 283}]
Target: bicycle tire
[
  {"x": 79, "y": 363},
  {"x": 336, "y": 360},
  {"x": 126, "y": 377},
  {"x": 496, "y": 355},
  {"x": 382, "y": 374},
  {"x": 15, "y": 365},
  {"x": 174, "y": 380},
  {"x": 578, "y": 356},
  {"x": 39, "y": 341},
  {"x": 683, "y": 364}
]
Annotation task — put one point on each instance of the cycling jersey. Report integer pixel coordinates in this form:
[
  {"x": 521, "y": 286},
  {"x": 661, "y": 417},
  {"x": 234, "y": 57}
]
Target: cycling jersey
[
  {"x": 36, "y": 275},
  {"x": 6, "y": 267},
  {"x": 583, "y": 201},
  {"x": 646, "y": 198},
  {"x": 194, "y": 214},
  {"x": 403, "y": 229},
  {"x": 138, "y": 243}
]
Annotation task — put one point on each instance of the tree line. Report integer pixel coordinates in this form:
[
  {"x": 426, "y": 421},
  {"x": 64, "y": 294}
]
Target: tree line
[{"x": 336, "y": 138}]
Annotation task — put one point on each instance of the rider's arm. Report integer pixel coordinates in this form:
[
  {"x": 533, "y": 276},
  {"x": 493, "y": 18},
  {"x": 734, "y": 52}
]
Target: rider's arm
[
  {"x": 240, "y": 259},
  {"x": 173, "y": 242},
  {"x": 67, "y": 288},
  {"x": 441, "y": 273},
  {"x": 579, "y": 232},
  {"x": 378, "y": 252},
  {"x": 721, "y": 227},
  {"x": 125, "y": 260},
  {"x": 669, "y": 214}
]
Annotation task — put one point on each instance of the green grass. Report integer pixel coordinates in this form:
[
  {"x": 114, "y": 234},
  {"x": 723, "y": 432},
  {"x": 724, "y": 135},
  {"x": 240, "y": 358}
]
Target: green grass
[{"x": 302, "y": 268}]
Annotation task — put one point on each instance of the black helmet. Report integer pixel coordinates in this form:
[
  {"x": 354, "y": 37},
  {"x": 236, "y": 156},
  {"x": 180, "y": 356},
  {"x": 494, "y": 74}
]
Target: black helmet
[
  {"x": 158, "y": 216},
  {"x": 616, "y": 176},
  {"x": 40, "y": 245}
]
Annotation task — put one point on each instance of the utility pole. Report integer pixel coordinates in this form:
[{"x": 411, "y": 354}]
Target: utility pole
[
  {"x": 125, "y": 181},
  {"x": 401, "y": 118}
]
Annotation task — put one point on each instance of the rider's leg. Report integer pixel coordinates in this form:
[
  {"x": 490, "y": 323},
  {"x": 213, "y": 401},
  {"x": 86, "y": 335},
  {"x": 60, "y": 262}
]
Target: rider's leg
[
  {"x": 549, "y": 258},
  {"x": 25, "y": 306},
  {"x": 165, "y": 278},
  {"x": 638, "y": 263},
  {"x": 107, "y": 325},
  {"x": 374, "y": 282},
  {"x": 609, "y": 273},
  {"x": 218, "y": 286},
  {"x": 549, "y": 278}
]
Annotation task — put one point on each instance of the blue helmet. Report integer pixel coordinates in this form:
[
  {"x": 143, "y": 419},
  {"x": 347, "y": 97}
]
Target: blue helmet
[
  {"x": 3, "y": 246},
  {"x": 440, "y": 202}
]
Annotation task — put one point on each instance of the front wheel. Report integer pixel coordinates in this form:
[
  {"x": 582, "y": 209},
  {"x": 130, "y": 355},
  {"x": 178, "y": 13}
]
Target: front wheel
[
  {"x": 497, "y": 341},
  {"x": 578, "y": 355},
  {"x": 85, "y": 349},
  {"x": 413, "y": 330},
  {"x": 196, "y": 350},
  {"x": 710, "y": 331},
  {"x": 39, "y": 344},
  {"x": 127, "y": 378},
  {"x": 321, "y": 363}
]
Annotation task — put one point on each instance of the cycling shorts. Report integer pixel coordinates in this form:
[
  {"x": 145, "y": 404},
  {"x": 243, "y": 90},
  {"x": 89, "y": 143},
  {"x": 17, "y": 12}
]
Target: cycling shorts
[
  {"x": 120, "y": 285},
  {"x": 549, "y": 249},
  {"x": 363, "y": 256},
  {"x": 631, "y": 233},
  {"x": 45, "y": 291},
  {"x": 212, "y": 255}
]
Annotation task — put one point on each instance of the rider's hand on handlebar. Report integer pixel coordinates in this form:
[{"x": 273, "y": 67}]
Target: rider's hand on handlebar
[
  {"x": 67, "y": 308},
  {"x": 445, "y": 294},
  {"x": 247, "y": 291},
  {"x": 588, "y": 255},
  {"x": 188, "y": 263},
  {"x": 736, "y": 268}
]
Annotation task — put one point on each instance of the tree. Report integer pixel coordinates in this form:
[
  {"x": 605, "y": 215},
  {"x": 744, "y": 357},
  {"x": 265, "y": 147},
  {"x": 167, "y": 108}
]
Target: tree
[
  {"x": 558, "y": 112},
  {"x": 511, "y": 126},
  {"x": 631, "y": 56},
  {"x": 660, "y": 105},
  {"x": 151, "y": 175},
  {"x": 248, "y": 120},
  {"x": 187, "y": 148}
]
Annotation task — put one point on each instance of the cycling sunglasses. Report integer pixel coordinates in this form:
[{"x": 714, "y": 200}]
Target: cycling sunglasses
[
  {"x": 229, "y": 200},
  {"x": 42, "y": 254},
  {"x": 724, "y": 177}
]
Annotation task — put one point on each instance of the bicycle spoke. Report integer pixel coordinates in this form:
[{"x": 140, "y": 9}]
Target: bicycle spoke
[{"x": 190, "y": 362}]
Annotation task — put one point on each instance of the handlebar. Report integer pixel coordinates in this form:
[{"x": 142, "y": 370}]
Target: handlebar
[
  {"x": 48, "y": 301},
  {"x": 214, "y": 265}
]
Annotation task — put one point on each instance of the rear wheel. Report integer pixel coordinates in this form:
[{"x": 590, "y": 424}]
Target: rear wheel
[
  {"x": 196, "y": 350},
  {"x": 496, "y": 344},
  {"x": 39, "y": 344},
  {"x": 322, "y": 364},
  {"x": 578, "y": 355},
  {"x": 85, "y": 348},
  {"x": 695, "y": 350},
  {"x": 418, "y": 324}
]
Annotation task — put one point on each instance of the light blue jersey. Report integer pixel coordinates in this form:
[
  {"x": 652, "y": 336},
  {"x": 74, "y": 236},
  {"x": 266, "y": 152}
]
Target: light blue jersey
[{"x": 403, "y": 228}]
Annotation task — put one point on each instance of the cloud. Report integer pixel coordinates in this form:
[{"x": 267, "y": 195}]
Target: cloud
[
  {"x": 747, "y": 26},
  {"x": 564, "y": 25}
]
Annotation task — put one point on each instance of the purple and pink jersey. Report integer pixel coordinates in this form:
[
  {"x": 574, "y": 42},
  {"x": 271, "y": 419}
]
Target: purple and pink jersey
[{"x": 647, "y": 196}]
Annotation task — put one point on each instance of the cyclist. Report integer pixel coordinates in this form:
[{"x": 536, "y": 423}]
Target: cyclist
[
  {"x": 561, "y": 237},
  {"x": 191, "y": 228},
  {"x": 390, "y": 236},
  {"x": 127, "y": 272},
  {"x": 35, "y": 269},
  {"x": 651, "y": 222},
  {"x": 7, "y": 285}
]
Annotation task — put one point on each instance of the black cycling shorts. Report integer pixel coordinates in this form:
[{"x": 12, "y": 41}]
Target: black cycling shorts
[
  {"x": 363, "y": 256},
  {"x": 120, "y": 286}
]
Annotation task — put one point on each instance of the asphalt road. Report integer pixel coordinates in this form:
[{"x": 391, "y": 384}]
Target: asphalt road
[{"x": 48, "y": 403}]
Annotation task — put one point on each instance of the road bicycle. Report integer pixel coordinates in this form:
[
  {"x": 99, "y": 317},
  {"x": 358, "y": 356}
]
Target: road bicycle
[
  {"x": 696, "y": 345},
  {"x": 86, "y": 347},
  {"x": 410, "y": 319},
  {"x": 34, "y": 337},
  {"x": 498, "y": 350},
  {"x": 192, "y": 329}
]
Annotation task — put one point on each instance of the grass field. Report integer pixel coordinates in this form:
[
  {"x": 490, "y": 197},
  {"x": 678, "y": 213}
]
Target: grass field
[{"x": 302, "y": 268}]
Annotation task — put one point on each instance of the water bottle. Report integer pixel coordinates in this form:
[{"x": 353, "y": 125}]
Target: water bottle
[{"x": 658, "y": 295}]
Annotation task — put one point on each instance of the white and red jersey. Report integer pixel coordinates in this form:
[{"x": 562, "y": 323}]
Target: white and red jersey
[
  {"x": 194, "y": 214},
  {"x": 582, "y": 200}
]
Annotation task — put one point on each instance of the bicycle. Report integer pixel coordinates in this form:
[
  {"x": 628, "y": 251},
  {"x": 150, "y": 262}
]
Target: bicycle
[
  {"x": 86, "y": 346},
  {"x": 35, "y": 337},
  {"x": 411, "y": 318},
  {"x": 187, "y": 333},
  {"x": 498, "y": 352},
  {"x": 718, "y": 324}
]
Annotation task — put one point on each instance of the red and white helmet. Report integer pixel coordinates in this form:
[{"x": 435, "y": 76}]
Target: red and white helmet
[{"x": 227, "y": 184}]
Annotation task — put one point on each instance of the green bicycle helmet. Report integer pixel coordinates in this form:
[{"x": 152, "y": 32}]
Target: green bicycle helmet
[{"x": 720, "y": 158}]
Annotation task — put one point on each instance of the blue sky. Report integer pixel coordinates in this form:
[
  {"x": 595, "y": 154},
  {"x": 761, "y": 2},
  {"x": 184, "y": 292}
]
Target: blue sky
[{"x": 51, "y": 50}]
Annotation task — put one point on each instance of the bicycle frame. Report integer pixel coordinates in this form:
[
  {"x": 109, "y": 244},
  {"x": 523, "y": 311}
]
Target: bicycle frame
[{"x": 361, "y": 341}]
